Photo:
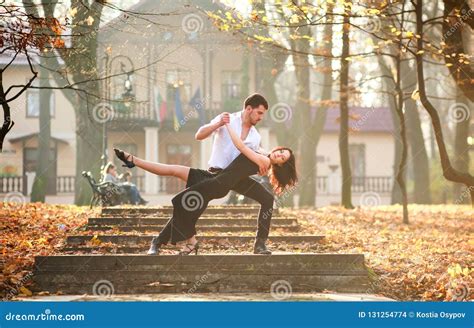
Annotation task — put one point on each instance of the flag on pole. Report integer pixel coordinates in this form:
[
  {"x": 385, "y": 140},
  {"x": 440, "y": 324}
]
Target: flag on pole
[
  {"x": 160, "y": 106},
  {"x": 178, "y": 112},
  {"x": 198, "y": 105}
]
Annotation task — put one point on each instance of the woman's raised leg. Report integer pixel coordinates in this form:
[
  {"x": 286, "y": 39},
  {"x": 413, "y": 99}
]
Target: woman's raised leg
[{"x": 179, "y": 171}]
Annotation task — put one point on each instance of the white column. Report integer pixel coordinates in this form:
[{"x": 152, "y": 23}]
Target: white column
[
  {"x": 151, "y": 154},
  {"x": 30, "y": 178},
  {"x": 265, "y": 133},
  {"x": 334, "y": 182},
  {"x": 206, "y": 147}
]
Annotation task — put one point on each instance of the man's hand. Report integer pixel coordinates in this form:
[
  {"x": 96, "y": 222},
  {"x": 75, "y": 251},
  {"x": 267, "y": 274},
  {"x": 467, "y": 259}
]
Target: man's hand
[
  {"x": 262, "y": 169},
  {"x": 225, "y": 119},
  {"x": 206, "y": 130}
]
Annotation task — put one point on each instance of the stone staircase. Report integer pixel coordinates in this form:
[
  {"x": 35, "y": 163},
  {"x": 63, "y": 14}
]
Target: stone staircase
[{"x": 108, "y": 255}]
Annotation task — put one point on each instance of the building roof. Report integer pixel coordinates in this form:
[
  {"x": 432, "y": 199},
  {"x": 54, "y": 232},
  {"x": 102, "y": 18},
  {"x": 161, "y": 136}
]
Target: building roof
[
  {"x": 21, "y": 59},
  {"x": 35, "y": 134},
  {"x": 361, "y": 119}
]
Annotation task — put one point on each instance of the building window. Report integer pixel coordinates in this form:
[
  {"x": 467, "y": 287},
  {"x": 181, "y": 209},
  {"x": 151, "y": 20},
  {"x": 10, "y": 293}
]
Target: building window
[
  {"x": 176, "y": 78},
  {"x": 230, "y": 85},
  {"x": 33, "y": 102},
  {"x": 357, "y": 158}
]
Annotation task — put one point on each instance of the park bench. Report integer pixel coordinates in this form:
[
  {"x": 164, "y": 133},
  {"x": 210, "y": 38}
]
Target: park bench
[{"x": 106, "y": 193}]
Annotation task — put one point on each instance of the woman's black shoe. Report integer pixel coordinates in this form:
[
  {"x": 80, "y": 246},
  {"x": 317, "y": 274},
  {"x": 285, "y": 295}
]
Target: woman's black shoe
[
  {"x": 190, "y": 248},
  {"x": 121, "y": 155}
]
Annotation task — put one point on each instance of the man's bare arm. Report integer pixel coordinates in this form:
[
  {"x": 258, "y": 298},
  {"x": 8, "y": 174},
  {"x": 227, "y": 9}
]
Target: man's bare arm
[{"x": 206, "y": 130}]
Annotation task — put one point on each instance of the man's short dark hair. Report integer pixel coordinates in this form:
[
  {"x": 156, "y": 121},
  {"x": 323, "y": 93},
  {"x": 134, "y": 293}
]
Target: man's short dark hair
[{"x": 256, "y": 100}]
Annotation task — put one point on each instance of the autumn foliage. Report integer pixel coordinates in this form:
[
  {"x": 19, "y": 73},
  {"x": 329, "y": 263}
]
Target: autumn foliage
[{"x": 28, "y": 230}]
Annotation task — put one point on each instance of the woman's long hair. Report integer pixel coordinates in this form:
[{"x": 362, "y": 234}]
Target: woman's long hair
[
  {"x": 107, "y": 168},
  {"x": 283, "y": 176}
]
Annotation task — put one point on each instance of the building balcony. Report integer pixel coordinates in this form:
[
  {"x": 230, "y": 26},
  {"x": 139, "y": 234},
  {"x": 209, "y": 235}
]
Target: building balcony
[{"x": 141, "y": 114}]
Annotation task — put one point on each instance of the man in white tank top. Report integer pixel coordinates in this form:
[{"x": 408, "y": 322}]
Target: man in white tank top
[{"x": 224, "y": 152}]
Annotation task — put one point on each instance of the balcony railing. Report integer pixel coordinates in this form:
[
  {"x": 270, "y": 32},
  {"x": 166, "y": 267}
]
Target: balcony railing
[
  {"x": 65, "y": 184},
  {"x": 141, "y": 111},
  {"x": 145, "y": 112},
  {"x": 12, "y": 184},
  {"x": 378, "y": 184}
]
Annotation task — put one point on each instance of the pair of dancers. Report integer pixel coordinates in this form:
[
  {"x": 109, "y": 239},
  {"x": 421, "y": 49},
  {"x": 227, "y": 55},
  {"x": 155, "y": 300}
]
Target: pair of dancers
[{"x": 203, "y": 186}]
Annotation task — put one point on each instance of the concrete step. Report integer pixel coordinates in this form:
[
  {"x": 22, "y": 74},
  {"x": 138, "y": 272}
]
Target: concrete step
[
  {"x": 206, "y": 246},
  {"x": 133, "y": 240},
  {"x": 167, "y": 210},
  {"x": 220, "y": 221},
  {"x": 158, "y": 228},
  {"x": 124, "y": 274},
  {"x": 225, "y": 246}
]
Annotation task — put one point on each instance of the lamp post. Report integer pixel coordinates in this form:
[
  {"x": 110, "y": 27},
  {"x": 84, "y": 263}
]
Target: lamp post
[{"x": 127, "y": 96}]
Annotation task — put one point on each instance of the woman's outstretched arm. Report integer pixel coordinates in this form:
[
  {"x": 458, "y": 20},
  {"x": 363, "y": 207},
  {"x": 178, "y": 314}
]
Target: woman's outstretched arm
[{"x": 260, "y": 160}]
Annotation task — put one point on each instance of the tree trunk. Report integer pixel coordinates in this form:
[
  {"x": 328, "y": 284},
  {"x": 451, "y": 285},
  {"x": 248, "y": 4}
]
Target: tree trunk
[
  {"x": 398, "y": 146},
  {"x": 449, "y": 172},
  {"x": 8, "y": 122},
  {"x": 455, "y": 37},
  {"x": 88, "y": 151},
  {"x": 400, "y": 177},
  {"x": 461, "y": 151},
  {"x": 419, "y": 154},
  {"x": 309, "y": 149},
  {"x": 43, "y": 168},
  {"x": 346, "y": 196}
]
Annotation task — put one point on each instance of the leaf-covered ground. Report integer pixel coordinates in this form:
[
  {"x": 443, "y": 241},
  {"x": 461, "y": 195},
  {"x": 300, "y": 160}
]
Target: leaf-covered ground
[
  {"x": 28, "y": 230},
  {"x": 429, "y": 259}
]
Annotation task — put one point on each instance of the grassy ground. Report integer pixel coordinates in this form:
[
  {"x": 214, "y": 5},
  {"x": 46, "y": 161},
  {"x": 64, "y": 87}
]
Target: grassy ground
[{"x": 429, "y": 259}]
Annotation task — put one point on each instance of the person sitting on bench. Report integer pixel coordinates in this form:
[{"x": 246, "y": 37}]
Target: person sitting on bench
[{"x": 110, "y": 175}]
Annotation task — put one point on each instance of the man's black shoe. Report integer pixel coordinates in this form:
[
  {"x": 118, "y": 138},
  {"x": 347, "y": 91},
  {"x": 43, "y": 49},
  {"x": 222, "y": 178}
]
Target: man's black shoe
[{"x": 260, "y": 248}]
